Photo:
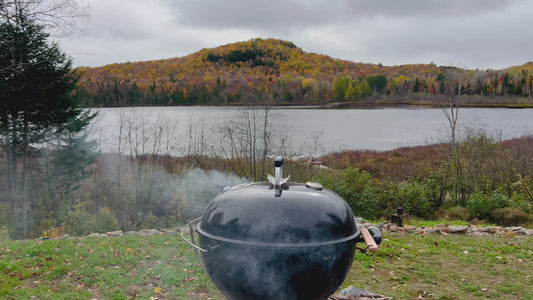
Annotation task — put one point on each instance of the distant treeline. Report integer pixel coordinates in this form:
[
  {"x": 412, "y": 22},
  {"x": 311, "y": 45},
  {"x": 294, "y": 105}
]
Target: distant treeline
[{"x": 277, "y": 72}]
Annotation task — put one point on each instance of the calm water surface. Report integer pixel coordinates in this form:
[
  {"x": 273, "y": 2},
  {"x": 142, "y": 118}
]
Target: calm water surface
[{"x": 374, "y": 129}]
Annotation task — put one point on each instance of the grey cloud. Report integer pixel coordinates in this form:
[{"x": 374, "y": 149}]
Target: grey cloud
[
  {"x": 292, "y": 14},
  {"x": 425, "y": 8},
  {"x": 266, "y": 15}
]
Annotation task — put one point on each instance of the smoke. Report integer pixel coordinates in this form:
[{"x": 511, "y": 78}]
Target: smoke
[
  {"x": 138, "y": 190},
  {"x": 198, "y": 187}
]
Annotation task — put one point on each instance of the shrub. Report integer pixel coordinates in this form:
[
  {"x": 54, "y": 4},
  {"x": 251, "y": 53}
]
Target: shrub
[
  {"x": 521, "y": 201},
  {"x": 80, "y": 222},
  {"x": 459, "y": 213},
  {"x": 480, "y": 205},
  {"x": 413, "y": 197},
  {"x": 355, "y": 187},
  {"x": 509, "y": 216},
  {"x": 106, "y": 220},
  {"x": 151, "y": 222}
]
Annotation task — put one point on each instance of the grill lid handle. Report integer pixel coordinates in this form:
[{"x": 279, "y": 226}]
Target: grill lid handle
[{"x": 278, "y": 181}]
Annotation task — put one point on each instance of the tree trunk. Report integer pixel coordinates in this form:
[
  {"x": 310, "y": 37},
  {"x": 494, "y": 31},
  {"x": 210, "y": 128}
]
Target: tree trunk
[
  {"x": 12, "y": 182},
  {"x": 12, "y": 162},
  {"x": 266, "y": 140},
  {"x": 25, "y": 163}
]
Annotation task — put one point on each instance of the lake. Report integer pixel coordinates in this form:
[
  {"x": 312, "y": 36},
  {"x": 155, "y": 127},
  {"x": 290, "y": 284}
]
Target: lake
[{"x": 304, "y": 128}]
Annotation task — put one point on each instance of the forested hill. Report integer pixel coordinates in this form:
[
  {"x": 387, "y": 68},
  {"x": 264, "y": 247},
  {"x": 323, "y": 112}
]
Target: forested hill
[{"x": 278, "y": 72}]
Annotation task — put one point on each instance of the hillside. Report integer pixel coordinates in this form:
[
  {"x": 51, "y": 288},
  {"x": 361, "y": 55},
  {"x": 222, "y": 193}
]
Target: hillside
[{"x": 278, "y": 72}]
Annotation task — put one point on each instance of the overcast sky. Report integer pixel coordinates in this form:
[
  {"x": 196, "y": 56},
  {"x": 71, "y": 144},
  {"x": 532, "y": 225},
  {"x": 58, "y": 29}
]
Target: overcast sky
[{"x": 464, "y": 33}]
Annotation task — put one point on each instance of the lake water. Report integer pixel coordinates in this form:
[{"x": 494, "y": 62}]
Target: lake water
[{"x": 330, "y": 129}]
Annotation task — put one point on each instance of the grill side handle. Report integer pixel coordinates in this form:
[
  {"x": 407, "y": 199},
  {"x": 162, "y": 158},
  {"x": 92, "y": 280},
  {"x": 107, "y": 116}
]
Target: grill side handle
[
  {"x": 192, "y": 243},
  {"x": 369, "y": 240},
  {"x": 371, "y": 236}
]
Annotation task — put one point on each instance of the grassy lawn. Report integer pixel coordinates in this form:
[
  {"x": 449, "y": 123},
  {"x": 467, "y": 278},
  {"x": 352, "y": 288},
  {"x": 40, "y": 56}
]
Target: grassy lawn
[
  {"x": 407, "y": 266},
  {"x": 410, "y": 266}
]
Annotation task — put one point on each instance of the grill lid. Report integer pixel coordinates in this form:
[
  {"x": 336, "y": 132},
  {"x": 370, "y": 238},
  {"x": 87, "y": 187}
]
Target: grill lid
[{"x": 296, "y": 214}]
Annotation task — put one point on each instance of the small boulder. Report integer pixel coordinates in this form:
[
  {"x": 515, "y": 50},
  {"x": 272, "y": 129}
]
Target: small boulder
[
  {"x": 457, "y": 229},
  {"x": 147, "y": 232},
  {"x": 353, "y": 293},
  {"x": 99, "y": 235},
  {"x": 115, "y": 233}
]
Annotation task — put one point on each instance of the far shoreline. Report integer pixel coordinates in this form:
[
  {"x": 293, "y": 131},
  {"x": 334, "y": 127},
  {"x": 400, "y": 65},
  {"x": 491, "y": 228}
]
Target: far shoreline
[
  {"x": 413, "y": 101},
  {"x": 336, "y": 105}
]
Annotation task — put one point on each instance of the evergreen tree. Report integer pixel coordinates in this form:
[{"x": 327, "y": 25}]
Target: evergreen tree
[
  {"x": 416, "y": 87},
  {"x": 377, "y": 84},
  {"x": 37, "y": 99}
]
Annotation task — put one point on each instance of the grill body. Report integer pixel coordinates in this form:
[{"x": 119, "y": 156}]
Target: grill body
[{"x": 295, "y": 243}]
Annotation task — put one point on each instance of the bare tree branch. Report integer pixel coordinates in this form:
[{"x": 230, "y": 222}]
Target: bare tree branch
[{"x": 59, "y": 17}]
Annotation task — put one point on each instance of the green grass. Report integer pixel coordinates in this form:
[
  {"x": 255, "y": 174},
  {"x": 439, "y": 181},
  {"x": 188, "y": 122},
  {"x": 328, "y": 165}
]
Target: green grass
[
  {"x": 164, "y": 267},
  {"x": 155, "y": 267},
  {"x": 430, "y": 223},
  {"x": 448, "y": 267}
]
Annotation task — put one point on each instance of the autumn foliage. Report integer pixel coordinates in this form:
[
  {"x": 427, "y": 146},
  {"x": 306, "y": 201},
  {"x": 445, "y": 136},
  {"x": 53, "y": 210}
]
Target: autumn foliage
[{"x": 278, "y": 72}]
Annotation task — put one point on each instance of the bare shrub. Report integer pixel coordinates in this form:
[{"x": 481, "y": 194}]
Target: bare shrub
[
  {"x": 509, "y": 216},
  {"x": 459, "y": 213}
]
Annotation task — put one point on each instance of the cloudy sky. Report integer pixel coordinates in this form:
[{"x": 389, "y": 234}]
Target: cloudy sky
[{"x": 464, "y": 33}]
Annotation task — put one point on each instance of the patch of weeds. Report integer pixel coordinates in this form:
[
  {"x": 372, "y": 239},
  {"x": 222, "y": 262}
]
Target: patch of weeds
[
  {"x": 433, "y": 223},
  {"x": 507, "y": 288},
  {"x": 466, "y": 259},
  {"x": 448, "y": 297},
  {"x": 469, "y": 287},
  {"x": 399, "y": 277},
  {"x": 119, "y": 295}
]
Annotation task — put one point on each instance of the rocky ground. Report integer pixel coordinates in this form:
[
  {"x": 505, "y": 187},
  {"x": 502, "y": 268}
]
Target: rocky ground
[
  {"x": 454, "y": 229},
  {"x": 386, "y": 227}
]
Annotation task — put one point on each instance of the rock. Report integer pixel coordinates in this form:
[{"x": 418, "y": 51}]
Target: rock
[
  {"x": 146, "y": 232},
  {"x": 114, "y": 233},
  {"x": 351, "y": 290},
  {"x": 366, "y": 224},
  {"x": 442, "y": 227},
  {"x": 422, "y": 230},
  {"x": 513, "y": 228},
  {"x": 393, "y": 228},
  {"x": 97, "y": 235},
  {"x": 353, "y": 293},
  {"x": 457, "y": 229},
  {"x": 409, "y": 228},
  {"x": 435, "y": 231},
  {"x": 516, "y": 230},
  {"x": 491, "y": 229}
]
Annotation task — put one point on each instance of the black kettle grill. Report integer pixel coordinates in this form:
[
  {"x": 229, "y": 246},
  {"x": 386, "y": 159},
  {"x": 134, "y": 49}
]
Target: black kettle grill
[{"x": 278, "y": 240}]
